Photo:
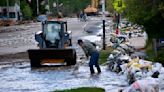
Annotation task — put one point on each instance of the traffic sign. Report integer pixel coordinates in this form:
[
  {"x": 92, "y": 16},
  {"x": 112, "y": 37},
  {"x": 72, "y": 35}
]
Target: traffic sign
[{"x": 119, "y": 5}]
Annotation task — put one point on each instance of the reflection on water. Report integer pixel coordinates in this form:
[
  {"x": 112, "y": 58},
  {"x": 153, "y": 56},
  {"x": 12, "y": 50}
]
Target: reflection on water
[{"x": 20, "y": 77}]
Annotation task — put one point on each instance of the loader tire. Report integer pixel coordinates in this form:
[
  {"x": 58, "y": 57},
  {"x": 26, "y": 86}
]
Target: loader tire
[
  {"x": 35, "y": 63},
  {"x": 72, "y": 61}
]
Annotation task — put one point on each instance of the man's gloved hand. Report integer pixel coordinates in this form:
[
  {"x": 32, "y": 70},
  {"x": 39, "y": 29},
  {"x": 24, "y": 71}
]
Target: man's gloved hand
[{"x": 82, "y": 57}]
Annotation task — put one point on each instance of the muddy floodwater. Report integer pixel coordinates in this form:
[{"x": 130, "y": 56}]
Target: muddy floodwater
[{"x": 19, "y": 77}]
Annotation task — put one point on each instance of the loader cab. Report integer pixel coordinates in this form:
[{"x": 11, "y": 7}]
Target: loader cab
[
  {"x": 55, "y": 34},
  {"x": 52, "y": 34}
]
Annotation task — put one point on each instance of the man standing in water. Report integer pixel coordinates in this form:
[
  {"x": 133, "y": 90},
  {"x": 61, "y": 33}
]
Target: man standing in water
[{"x": 90, "y": 50}]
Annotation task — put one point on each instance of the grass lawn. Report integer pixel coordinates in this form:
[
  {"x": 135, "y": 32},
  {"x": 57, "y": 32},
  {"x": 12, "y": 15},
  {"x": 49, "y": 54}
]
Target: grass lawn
[
  {"x": 104, "y": 54},
  {"x": 84, "y": 89},
  {"x": 149, "y": 52}
]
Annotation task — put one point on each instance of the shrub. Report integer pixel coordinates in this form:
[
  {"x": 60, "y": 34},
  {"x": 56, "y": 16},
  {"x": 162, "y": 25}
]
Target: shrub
[{"x": 27, "y": 13}]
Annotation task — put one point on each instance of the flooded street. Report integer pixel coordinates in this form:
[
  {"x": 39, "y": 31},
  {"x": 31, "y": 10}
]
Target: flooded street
[
  {"x": 81, "y": 45},
  {"x": 19, "y": 77},
  {"x": 16, "y": 74}
]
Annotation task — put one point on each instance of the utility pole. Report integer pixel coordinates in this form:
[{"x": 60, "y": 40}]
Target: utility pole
[
  {"x": 103, "y": 12},
  {"x": 37, "y": 5},
  {"x": 49, "y": 7},
  {"x": 57, "y": 2}
]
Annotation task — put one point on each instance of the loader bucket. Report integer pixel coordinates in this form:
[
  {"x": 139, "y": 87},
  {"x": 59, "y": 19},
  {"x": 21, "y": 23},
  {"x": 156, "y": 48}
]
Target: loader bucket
[{"x": 51, "y": 55}]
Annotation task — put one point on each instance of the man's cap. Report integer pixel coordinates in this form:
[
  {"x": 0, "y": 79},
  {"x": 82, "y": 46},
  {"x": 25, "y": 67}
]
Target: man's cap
[{"x": 79, "y": 41}]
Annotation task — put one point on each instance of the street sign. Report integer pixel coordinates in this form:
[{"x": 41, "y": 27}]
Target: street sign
[{"x": 119, "y": 5}]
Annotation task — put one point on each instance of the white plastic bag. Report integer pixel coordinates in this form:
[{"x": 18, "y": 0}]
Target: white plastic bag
[{"x": 144, "y": 85}]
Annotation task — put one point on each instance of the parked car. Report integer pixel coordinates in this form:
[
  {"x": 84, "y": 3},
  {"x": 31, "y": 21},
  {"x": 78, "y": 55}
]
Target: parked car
[{"x": 42, "y": 18}]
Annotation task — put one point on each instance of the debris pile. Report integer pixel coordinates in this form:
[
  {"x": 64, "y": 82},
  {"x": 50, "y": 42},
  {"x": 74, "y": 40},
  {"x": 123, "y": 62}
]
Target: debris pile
[{"x": 141, "y": 74}]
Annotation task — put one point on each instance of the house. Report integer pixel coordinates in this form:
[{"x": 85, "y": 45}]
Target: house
[{"x": 10, "y": 14}]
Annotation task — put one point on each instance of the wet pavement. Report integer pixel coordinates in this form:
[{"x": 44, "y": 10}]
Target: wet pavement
[
  {"x": 18, "y": 38},
  {"x": 19, "y": 77},
  {"x": 16, "y": 74}
]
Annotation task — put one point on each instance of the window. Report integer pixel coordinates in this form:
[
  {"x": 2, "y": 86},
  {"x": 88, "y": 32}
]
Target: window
[{"x": 11, "y": 14}]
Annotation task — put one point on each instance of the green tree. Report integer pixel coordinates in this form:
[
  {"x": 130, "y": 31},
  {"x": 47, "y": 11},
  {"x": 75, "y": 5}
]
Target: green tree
[
  {"x": 27, "y": 13},
  {"x": 73, "y": 6},
  {"x": 33, "y": 6},
  {"x": 3, "y": 3},
  {"x": 69, "y": 7},
  {"x": 11, "y": 2},
  {"x": 148, "y": 13},
  {"x": 42, "y": 9},
  {"x": 26, "y": 10},
  {"x": 109, "y": 6}
]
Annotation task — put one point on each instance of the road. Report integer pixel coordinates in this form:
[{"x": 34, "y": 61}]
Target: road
[
  {"x": 17, "y": 76},
  {"x": 21, "y": 38}
]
